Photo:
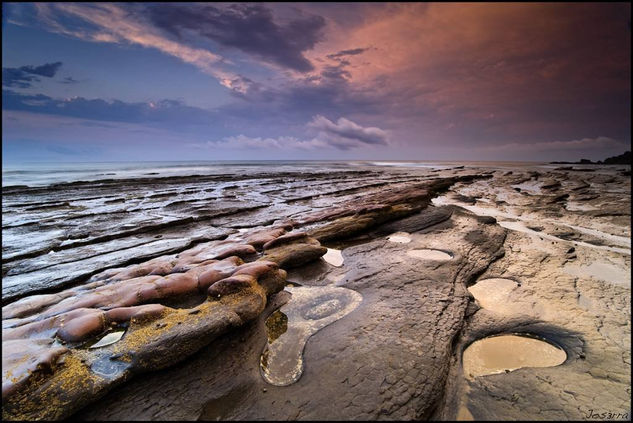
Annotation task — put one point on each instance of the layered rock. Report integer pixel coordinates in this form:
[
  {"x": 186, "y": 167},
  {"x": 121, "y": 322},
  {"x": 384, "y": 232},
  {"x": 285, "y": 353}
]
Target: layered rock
[
  {"x": 49, "y": 369},
  {"x": 293, "y": 250},
  {"x": 568, "y": 252},
  {"x": 169, "y": 306},
  {"x": 562, "y": 236},
  {"x": 386, "y": 359},
  {"x": 368, "y": 212}
]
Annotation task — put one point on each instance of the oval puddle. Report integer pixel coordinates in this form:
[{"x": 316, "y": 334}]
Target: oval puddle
[
  {"x": 505, "y": 353},
  {"x": 333, "y": 257},
  {"x": 429, "y": 254},
  {"x": 109, "y": 339},
  {"x": 401, "y": 237},
  {"x": 492, "y": 294}
]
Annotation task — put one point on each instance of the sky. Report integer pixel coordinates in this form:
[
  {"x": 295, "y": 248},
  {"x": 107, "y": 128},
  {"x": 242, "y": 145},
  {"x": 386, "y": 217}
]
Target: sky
[{"x": 315, "y": 81}]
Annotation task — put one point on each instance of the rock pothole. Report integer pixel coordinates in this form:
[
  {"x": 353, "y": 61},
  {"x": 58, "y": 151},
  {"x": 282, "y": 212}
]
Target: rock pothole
[
  {"x": 505, "y": 353},
  {"x": 430, "y": 254},
  {"x": 400, "y": 237},
  {"x": 334, "y": 257}
]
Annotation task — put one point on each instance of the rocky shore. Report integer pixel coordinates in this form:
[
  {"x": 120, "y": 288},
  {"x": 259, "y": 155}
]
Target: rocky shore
[{"x": 317, "y": 295}]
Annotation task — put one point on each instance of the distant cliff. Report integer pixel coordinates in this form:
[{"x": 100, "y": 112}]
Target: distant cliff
[{"x": 624, "y": 158}]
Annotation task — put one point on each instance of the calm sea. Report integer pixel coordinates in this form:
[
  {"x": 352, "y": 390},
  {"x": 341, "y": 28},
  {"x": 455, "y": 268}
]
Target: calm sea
[{"x": 40, "y": 174}]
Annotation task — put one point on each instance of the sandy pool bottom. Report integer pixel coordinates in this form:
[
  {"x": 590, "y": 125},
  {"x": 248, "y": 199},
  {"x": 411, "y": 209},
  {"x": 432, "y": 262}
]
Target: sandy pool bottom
[{"x": 497, "y": 354}]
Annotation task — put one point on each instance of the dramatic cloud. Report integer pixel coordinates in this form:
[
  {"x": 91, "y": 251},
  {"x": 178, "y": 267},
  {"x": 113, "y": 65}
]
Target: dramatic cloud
[
  {"x": 12, "y": 77},
  {"x": 336, "y": 72},
  {"x": 472, "y": 72},
  {"x": 347, "y": 129},
  {"x": 48, "y": 70},
  {"x": 24, "y": 76},
  {"x": 298, "y": 100},
  {"x": 112, "y": 23},
  {"x": 164, "y": 111},
  {"x": 343, "y": 135},
  {"x": 242, "y": 142},
  {"x": 447, "y": 80},
  {"x": 350, "y": 52},
  {"x": 250, "y": 28}
]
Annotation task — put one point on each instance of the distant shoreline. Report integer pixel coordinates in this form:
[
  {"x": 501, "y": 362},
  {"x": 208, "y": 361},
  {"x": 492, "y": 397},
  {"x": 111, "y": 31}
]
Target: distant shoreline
[{"x": 624, "y": 158}]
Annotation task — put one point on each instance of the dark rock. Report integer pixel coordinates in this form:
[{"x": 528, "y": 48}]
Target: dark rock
[
  {"x": 465, "y": 199},
  {"x": 346, "y": 227},
  {"x": 295, "y": 254},
  {"x": 487, "y": 220},
  {"x": 410, "y": 314},
  {"x": 559, "y": 198},
  {"x": 286, "y": 239},
  {"x": 229, "y": 285},
  {"x": 258, "y": 239},
  {"x": 550, "y": 184},
  {"x": 424, "y": 219},
  {"x": 624, "y": 158},
  {"x": 157, "y": 336}
]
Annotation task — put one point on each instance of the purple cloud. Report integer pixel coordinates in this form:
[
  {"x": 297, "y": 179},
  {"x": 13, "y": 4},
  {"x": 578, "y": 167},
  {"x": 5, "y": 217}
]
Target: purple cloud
[
  {"x": 350, "y": 52},
  {"x": 346, "y": 134},
  {"x": 250, "y": 28},
  {"x": 24, "y": 76}
]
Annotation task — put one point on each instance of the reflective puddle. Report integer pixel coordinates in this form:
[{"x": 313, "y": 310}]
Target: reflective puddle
[
  {"x": 309, "y": 310},
  {"x": 429, "y": 254},
  {"x": 493, "y": 294},
  {"x": 401, "y": 237},
  {"x": 109, "y": 339},
  {"x": 498, "y": 354},
  {"x": 333, "y": 257}
]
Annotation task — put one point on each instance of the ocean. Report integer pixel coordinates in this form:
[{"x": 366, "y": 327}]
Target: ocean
[{"x": 46, "y": 173}]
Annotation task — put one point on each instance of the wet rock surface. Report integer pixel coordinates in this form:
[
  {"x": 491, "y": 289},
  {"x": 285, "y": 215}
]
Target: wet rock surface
[
  {"x": 377, "y": 331},
  {"x": 311, "y": 309},
  {"x": 387, "y": 358},
  {"x": 505, "y": 353},
  {"x": 568, "y": 289},
  {"x": 157, "y": 336}
]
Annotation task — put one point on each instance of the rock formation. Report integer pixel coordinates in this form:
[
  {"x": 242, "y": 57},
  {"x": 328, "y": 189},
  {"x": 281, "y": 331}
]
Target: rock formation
[{"x": 379, "y": 335}]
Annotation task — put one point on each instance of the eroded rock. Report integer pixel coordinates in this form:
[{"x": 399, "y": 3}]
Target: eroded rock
[
  {"x": 293, "y": 252},
  {"x": 398, "y": 353},
  {"x": 388, "y": 358},
  {"x": 157, "y": 336}
]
